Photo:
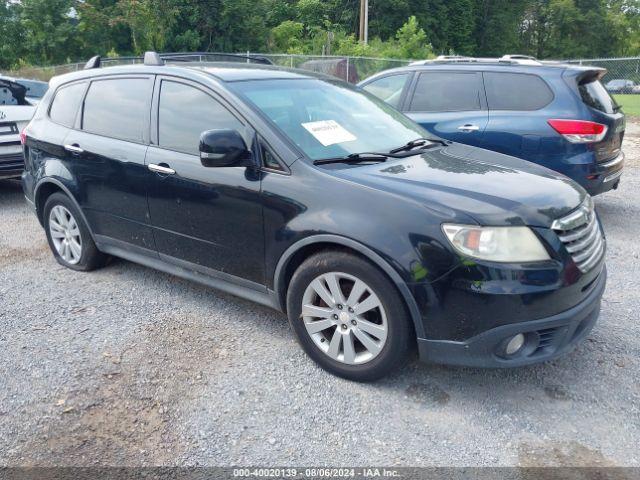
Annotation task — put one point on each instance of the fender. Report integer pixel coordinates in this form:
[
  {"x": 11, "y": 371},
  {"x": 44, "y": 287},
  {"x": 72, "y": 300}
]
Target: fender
[
  {"x": 66, "y": 191},
  {"x": 278, "y": 279}
]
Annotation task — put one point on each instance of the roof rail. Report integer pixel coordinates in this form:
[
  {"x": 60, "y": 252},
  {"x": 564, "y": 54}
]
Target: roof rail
[
  {"x": 152, "y": 59},
  {"x": 94, "y": 62},
  {"x": 188, "y": 56},
  {"x": 517, "y": 56},
  {"x": 505, "y": 60}
]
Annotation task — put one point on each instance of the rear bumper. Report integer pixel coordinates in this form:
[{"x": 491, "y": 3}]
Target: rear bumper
[
  {"x": 604, "y": 176},
  {"x": 11, "y": 166},
  {"x": 545, "y": 339}
]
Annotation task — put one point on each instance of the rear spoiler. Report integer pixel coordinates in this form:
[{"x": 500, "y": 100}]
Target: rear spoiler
[{"x": 584, "y": 75}]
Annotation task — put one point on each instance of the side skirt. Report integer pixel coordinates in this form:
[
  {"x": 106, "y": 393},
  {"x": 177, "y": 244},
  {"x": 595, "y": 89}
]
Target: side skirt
[{"x": 196, "y": 273}]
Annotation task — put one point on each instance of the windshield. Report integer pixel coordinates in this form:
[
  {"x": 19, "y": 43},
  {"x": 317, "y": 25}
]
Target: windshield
[{"x": 327, "y": 120}]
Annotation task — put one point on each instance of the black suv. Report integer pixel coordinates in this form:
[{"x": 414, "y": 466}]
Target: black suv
[{"x": 310, "y": 196}]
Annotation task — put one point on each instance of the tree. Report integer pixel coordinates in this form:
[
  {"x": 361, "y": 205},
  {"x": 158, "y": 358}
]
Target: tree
[
  {"x": 412, "y": 40},
  {"x": 149, "y": 22},
  {"x": 11, "y": 47},
  {"x": 48, "y": 27}
]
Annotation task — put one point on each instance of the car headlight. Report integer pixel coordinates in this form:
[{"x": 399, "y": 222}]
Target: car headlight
[{"x": 496, "y": 244}]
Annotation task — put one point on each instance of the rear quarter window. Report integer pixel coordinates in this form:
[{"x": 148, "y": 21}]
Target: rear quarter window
[
  {"x": 596, "y": 96},
  {"x": 64, "y": 107},
  {"x": 516, "y": 91}
]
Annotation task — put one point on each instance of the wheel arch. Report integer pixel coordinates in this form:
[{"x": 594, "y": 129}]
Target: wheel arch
[
  {"x": 302, "y": 249},
  {"x": 47, "y": 187}
]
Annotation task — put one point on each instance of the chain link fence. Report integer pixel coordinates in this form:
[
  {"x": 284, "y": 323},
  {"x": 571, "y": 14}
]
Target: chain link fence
[
  {"x": 351, "y": 69},
  {"x": 622, "y": 73}
]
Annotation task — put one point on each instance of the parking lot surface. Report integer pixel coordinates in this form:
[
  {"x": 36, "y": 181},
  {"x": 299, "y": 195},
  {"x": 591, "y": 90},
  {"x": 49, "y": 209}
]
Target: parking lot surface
[{"x": 130, "y": 366}]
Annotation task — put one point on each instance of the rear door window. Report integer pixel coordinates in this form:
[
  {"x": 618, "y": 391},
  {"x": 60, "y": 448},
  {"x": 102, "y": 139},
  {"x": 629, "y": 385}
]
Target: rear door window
[
  {"x": 388, "y": 88},
  {"x": 66, "y": 103},
  {"x": 117, "y": 108},
  {"x": 447, "y": 92},
  {"x": 596, "y": 96},
  {"x": 516, "y": 91}
]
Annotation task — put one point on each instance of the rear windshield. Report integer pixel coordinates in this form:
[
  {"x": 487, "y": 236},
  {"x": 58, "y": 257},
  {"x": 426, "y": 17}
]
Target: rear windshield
[
  {"x": 596, "y": 96},
  {"x": 12, "y": 93}
]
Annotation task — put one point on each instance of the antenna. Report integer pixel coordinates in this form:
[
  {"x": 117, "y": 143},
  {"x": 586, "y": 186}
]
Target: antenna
[
  {"x": 94, "y": 62},
  {"x": 152, "y": 59}
]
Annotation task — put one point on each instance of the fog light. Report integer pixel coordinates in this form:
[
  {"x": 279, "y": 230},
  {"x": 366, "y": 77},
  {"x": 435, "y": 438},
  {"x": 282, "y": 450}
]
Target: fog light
[{"x": 515, "y": 344}]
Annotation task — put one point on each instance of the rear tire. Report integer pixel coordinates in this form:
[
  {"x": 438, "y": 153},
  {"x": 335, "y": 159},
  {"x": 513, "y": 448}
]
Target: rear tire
[
  {"x": 68, "y": 235},
  {"x": 348, "y": 316}
]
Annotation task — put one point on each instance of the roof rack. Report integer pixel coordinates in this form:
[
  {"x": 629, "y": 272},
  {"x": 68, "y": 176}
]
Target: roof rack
[
  {"x": 94, "y": 62},
  {"x": 188, "y": 57},
  {"x": 152, "y": 59},
  {"x": 506, "y": 59},
  {"x": 158, "y": 59}
]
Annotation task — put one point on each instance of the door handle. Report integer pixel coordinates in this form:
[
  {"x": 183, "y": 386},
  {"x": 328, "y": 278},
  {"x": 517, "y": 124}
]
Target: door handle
[
  {"x": 75, "y": 148},
  {"x": 468, "y": 128},
  {"x": 161, "y": 169}
]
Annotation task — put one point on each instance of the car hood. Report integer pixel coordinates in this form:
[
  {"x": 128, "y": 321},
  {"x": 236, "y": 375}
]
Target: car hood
[{"x": 492, "y": 188}]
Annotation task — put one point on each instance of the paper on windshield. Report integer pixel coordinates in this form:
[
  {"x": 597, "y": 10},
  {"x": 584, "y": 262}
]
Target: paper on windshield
[{"x": 329, "y": 132}]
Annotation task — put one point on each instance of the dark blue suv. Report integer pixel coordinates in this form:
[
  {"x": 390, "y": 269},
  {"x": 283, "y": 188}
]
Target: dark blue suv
[{"x": 556, "y": 115}]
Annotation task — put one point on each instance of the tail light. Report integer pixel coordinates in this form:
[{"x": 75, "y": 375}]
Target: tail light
[{"x": 579, "y": 131}]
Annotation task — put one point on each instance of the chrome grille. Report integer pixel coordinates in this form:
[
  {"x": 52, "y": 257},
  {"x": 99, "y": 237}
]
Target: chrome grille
[{"x": 581, "y": 235}]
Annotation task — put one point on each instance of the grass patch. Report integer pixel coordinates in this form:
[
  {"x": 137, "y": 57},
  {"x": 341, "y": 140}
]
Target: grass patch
[{"x": 630, "y": 104}]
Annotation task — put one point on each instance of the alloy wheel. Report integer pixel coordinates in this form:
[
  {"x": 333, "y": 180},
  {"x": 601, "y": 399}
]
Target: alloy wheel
[
  {"x": 345, "y": 318},
  {"x": 65, "y": 234}
]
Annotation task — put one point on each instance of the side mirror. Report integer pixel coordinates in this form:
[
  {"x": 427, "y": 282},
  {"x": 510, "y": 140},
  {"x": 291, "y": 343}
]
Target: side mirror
[{"x": 224, "y": 148}]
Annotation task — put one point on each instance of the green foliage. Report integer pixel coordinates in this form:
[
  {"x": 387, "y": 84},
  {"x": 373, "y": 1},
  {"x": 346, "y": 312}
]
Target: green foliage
[
  {"x": 412, "y": 41},
  {"x": 51, "y": 31},
  {"x": 47, "y": 30},
  {"x": 630, "y": 104}
]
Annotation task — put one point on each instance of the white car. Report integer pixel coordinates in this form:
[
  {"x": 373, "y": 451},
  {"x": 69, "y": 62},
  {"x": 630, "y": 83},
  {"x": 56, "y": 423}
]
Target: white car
[{"x": 15, "y": 112}]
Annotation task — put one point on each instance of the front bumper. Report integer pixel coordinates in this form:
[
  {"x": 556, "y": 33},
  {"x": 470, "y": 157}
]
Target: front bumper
[{"x": 545, "y": 338}]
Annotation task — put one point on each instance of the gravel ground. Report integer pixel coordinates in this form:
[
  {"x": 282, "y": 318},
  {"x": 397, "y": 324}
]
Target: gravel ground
[{"x": 129, "y": 366}]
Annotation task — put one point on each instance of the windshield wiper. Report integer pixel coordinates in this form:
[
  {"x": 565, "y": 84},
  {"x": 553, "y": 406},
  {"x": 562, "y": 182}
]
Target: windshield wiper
[
  {"x": 419, "y": 142},
  {"x": 355, "y": 158}
]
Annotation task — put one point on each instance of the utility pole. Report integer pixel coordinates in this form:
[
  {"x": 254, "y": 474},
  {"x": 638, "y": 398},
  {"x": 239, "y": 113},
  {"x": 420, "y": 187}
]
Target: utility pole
[{"x": 364, "y": 21}]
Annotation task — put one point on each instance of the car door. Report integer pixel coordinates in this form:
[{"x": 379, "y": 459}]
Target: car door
[
  {"x": 449, "y": 104},
  {"x": 517, "y": 114},
  {"x": 106, "y": 156},
  {"x": 207, "y": 218}
]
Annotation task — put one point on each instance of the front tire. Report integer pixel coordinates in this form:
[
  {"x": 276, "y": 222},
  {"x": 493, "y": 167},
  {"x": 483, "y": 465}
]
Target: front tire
[
  {"x": 68, "y": 235},
  {"x": 348, "y": 316}
]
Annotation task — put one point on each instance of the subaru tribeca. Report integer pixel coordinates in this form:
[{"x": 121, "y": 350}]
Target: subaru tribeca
[
  {"x": 558, "y": 116},
  {"x": 305, "y": 194}
]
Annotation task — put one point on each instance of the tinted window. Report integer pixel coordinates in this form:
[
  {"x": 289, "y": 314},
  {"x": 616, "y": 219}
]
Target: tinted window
[
  {"x": 446, "y": 92},
  {"x": 185, "y": 112},
  {"x": 516, "y": 91},
  {"x": 389, "y": 88},
  {"x": 66, "y": 103},
  {"x": 596, "y": 96},
  {"x": 117, "y": 108}
]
